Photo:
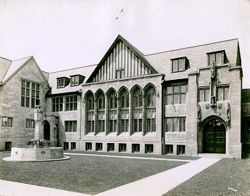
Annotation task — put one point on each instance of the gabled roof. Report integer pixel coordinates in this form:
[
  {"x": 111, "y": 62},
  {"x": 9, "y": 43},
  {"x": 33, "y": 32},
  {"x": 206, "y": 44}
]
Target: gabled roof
[
  {"x": 15, "y": 66},
  {"x": 4, "y": 66},
  {"x": 130, "y": 46}
]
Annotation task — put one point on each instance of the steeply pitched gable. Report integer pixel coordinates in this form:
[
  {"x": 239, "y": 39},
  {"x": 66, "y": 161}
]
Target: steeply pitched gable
[
  {"x": 122, "y": 60},
  {"x": 16, "y": 65},
  {"x": 4, "y": 66}
]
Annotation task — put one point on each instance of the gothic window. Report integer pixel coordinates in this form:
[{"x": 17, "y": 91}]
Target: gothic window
[
  {"x": 90, "y": 112},
  {"x": 112, "y": 112},
  {"x": 100, "y": 112},
  {"x": 137, "y": 98},
  {"x": 150, "y": 97},
  {"x": 124, "y": 110},
  {"x": 101, "y": 101},
  {"x": 137, "y": 110},
  {"x": 150, "y": 108},
  {"x": 112, "y": 100},
  {"x": 124, "y": 99}
]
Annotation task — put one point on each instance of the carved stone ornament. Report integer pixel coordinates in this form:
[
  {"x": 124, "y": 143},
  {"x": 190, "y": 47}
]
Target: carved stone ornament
[
  {"x": 228, "y": 114},
  {"x": 219, "y": 105},
  {"x": 207, "y": 106}
]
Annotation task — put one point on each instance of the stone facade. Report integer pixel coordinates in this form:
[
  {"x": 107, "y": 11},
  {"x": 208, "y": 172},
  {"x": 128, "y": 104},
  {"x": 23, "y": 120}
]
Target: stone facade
[
  {"x": 185, "y": 101},
  {"x": 10, "y": 104}
]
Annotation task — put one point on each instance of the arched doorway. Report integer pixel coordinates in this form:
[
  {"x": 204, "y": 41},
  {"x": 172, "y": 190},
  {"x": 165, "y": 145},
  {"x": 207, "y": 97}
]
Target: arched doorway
[
  {"x": 214, "y": 136},
  {"x": 46, "y": 130}
]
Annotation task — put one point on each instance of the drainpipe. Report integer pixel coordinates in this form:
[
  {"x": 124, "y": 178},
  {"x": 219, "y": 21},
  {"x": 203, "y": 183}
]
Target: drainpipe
[
  {"x": 81, "y": 105},
  {"x": 162, "y": 118}
]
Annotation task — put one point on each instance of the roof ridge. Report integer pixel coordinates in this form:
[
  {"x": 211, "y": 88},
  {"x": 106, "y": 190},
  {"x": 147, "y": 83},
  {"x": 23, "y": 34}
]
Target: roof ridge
[
  {"x": 5, "y": 58},
  {"x": 191, "y": 46},
  {"x": 23, "y": 58},
  {"x": 72, "y": 68}
]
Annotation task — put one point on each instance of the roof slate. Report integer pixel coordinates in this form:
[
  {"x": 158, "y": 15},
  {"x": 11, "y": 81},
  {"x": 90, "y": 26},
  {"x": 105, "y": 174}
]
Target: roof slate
[
  {"x": 84, "y": 71},
  {"x": 196, "y": 55}
]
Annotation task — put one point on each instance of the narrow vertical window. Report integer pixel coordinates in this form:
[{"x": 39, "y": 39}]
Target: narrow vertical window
[
  {"x": 90, "y": 112},
  {"x": 137, "y": 109},
  {"x": 222, "y": 93},
  {"x": 150, "y": 109},
  {"x": 112, "y": 100},
  {"x": 100, "y": 112}
]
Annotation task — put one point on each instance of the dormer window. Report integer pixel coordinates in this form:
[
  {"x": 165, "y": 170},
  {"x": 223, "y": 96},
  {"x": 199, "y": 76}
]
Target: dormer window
[
  {"x": 76, "y": 80},
  {"x": 62, "y": 82},
  {"x": 216, "y": 57},
  {"x": 179, "y": 64}
]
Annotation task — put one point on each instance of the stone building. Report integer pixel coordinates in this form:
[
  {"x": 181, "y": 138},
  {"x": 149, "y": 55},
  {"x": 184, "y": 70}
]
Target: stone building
[{"x": 185, "y": 101}]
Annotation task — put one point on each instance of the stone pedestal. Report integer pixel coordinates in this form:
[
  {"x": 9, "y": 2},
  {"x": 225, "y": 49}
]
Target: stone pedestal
[{"x": 36, "y": 154}]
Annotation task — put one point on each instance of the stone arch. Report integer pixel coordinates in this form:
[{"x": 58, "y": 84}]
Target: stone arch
[
  {"x": 212, "y": 135},
  {"x": 149, "y": 85},
  {"x": 46, "y": 130},
  {"x": 100, "y": 98},
  {"x": 89, "y": 100},
  {"x": 123, "y": 97},
  {"x": 112, "y": 98},
  {"x": 150, "y": 95},
  {"x": 135, "y": 87}
]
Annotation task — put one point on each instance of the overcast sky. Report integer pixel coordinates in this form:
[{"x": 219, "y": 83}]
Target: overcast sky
[{"x": 62, "y": 34}]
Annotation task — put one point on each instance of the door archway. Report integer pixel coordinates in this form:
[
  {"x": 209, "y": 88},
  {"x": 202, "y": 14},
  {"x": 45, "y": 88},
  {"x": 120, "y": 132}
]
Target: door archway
[
  {"x": 46, "y": 130},
  {"x": 213, "y": 135}
]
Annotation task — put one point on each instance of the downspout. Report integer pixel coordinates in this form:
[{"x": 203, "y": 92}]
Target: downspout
[{"x": 162, "y": 118}]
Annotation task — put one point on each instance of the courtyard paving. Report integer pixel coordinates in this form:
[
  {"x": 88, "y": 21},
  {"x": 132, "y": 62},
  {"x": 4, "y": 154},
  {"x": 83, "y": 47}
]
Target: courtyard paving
[{"x": 226, "y": 177}]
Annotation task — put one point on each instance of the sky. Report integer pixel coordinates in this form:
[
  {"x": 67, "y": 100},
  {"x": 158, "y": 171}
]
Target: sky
[{"x": 63, "y": 34}]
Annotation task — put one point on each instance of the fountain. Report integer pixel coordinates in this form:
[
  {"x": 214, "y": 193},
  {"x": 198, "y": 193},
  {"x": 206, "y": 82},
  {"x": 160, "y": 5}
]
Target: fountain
[{"x": 38, "y": 149}]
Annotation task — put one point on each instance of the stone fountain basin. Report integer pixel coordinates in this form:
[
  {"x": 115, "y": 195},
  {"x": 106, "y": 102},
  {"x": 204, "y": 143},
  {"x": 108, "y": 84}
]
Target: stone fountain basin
[{"x": 36, "y": 154}]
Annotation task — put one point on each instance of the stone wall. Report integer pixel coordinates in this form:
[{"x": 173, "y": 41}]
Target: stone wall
[{"x": 10, "y": 101}]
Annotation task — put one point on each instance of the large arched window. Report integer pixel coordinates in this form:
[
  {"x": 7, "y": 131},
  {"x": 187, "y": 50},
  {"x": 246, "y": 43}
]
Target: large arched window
[
  {"x": 150, "y": 97},
  {"x": 124, "y": 110},
  {"x": 137, "y": 109},
  {"x": 100, "y": 111},
  {"x": 150, "y": 109},
  {"x": 112, "y": 100},
  {"x": 100, "y": 101},
  {"x": 90, "y": 113},
  {"x": 124, "y": 98},
  {"x": 112, "y": 111}
]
